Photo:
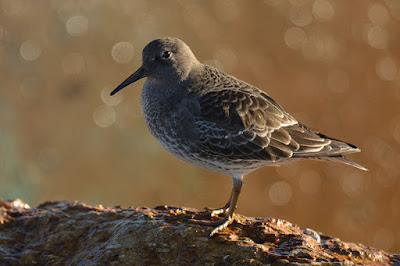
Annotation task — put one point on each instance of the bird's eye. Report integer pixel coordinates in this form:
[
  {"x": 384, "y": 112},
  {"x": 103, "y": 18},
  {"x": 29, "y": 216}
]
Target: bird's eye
[{"x": 166, "y": 54}]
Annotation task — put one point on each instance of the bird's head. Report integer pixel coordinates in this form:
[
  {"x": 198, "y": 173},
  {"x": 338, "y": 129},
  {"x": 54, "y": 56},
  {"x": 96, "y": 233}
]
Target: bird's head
[{"x": 164, "y": 59}]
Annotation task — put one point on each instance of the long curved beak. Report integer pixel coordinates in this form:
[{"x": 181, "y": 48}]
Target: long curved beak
[{"x": 140, "y": 73}]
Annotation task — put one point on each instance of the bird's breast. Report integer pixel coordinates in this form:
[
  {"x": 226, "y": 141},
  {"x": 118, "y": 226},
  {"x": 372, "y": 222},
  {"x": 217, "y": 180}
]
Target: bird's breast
[{"x": 167, "y": 115}]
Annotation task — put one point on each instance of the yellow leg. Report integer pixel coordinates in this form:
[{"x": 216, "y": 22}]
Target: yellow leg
[
  {"x": 218, "y": 211},
  {"x": 228, "y": 219}
]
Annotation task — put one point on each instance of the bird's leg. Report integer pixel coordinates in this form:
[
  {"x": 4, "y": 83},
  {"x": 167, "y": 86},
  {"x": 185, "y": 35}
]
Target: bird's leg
[
  {"x": 228, "y": 219},
  {"x": 216, "y": 212}
]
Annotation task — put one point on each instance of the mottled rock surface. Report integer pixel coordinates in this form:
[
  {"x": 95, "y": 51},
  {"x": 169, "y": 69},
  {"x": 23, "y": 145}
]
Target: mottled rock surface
[{"x": 75, "y": 233}]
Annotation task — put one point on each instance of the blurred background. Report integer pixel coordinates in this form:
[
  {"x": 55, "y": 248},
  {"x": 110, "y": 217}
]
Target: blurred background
[{"x": 334, "y": 65}]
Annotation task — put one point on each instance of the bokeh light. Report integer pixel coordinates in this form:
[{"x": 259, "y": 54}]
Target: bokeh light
[
  {"x": 377, "y": 36},
  {"x": 323, "y": 10},
  {"x": 280, "y": 193},
  {"x": 353, "y": 184},
  {"x": 300, "y": 16},
  {"x": 386, "y": 68},
  {"x": 77, "y": 25},
  {"x": 123, "y": 52},
  {"x": 378, "y": 14},
  {"x": 111, "y": 100},
  {"x": 104, "y": 116},
  {"x": 30, "y": 50},
  {"x": 294, "y": 37}
]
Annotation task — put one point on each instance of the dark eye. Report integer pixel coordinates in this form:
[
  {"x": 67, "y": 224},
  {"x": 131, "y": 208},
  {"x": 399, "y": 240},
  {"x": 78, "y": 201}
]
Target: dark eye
[{"x": 166, "y": 54}]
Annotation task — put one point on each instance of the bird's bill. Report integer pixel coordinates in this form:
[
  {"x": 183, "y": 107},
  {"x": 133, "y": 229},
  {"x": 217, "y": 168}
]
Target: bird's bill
[{"x": 140, "y": 73}]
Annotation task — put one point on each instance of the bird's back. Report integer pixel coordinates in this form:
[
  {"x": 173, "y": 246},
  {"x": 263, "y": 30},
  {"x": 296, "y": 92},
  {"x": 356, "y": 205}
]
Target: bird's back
[{"x": 238, "y": 121}]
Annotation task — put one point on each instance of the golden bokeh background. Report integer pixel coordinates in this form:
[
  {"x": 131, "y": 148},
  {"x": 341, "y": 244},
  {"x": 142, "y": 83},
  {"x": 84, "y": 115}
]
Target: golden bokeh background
[{"x": 334, "y": 65}]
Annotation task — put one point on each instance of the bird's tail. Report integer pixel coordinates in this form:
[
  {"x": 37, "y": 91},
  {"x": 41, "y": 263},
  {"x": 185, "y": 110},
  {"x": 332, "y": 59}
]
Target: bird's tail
[
  {"x": 342, "y": 159},
  {"x": 315, "y": 145},
  {"x": 331, "y": 151}
]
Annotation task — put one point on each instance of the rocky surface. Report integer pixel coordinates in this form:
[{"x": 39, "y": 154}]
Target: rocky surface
[{"x": 75, "y": 233}]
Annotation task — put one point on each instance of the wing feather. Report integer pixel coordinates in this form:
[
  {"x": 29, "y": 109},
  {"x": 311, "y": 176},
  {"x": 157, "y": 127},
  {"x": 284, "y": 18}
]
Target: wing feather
[{"x": 243, "y": 122}]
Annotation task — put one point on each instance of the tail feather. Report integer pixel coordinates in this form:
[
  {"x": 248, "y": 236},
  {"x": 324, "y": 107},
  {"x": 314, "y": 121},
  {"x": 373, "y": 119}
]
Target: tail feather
[
  {"x": 343, "y": 159},
  {"x": 314, "y": 145},
  {"x": 333, "y": 148}
]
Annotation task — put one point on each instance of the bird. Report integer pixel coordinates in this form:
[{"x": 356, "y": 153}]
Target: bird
[{"x": 216, "y": 121}]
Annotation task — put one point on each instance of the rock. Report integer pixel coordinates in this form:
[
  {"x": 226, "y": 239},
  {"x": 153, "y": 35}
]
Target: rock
[{"x": 75, "y": 233}]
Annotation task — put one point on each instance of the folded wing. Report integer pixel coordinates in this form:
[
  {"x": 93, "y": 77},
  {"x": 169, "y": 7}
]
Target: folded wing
[{"x": 243, "y": 122}]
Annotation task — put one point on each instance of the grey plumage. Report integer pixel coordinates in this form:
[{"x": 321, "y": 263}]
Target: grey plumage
[{"x": 214, "y": 120}]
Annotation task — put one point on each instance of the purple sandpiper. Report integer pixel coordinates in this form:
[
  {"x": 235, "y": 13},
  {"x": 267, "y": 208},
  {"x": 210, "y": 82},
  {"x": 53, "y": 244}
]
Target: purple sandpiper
[{"x": 216, "y": 121}]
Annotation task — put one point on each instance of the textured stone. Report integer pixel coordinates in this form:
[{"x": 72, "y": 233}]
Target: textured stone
[{"x": 79, "y": 234}]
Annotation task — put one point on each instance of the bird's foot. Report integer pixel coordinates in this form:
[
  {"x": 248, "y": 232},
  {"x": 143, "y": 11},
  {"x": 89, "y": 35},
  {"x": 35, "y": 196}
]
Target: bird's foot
[
  {"x": 220, "y": 224},
  {"x": 224, "y": 224},
  {"x": 218, "y": 211}
]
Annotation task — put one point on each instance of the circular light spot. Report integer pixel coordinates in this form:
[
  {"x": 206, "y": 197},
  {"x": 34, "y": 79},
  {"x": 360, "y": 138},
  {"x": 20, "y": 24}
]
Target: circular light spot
[
  {"x": 111, "y": 100},
  {"x": 352, "y": 184},
  {"x": 323, "y": 10},
  {"x": 386, "y": 68},
  {"x": 377, "y": 37},
  {"x": 300, "y": 16},
  {"x": 30, "y": 50},
  {"x": 280, "y": 193},
  {"x": 73, "y": 63},
  {"x": 104, "y": 116},
  {"x": 378, "y": 14},
  {"x": 338, "y": 81},
  {"x": 123, "y": 52},
  {"x": 294, "y": 37},
  {"x": 310, "y": 182},
  {"x": 77, "y": 25},
  {"x": 321, "y": 45}
]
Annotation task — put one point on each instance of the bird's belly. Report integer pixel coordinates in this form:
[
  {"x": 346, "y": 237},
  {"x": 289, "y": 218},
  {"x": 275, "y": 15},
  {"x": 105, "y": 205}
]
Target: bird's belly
[{"x": 171, "y": 132}]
